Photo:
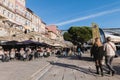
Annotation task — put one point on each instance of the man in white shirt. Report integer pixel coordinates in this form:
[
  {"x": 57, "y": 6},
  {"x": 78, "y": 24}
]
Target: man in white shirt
[{"x": 109, "y": 48}]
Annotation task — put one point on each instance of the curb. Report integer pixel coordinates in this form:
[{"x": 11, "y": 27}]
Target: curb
[
  {"x": 37, "y": 72},
  {"x": 41, "y": 71}
]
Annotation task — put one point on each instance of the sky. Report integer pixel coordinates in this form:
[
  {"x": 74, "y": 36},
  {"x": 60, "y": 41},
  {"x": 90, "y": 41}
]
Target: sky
[{"x": 67, "y": 13}]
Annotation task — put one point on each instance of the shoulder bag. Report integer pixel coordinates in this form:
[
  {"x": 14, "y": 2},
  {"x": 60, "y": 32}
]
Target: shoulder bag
[{"x": 116, "y": 53}]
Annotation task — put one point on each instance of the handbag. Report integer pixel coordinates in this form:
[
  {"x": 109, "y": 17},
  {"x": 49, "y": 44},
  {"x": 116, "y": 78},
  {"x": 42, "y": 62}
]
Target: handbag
[{"x": 116, "y": 54}]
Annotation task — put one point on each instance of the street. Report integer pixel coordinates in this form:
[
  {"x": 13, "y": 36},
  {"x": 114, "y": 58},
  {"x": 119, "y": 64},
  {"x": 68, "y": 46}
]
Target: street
[
  {"x": 22, "y": 70},
  {"x": 70, "y": 68},
  {"x": 55, "y": 68}
]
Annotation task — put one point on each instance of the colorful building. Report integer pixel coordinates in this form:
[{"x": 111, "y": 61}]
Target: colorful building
[{"x": 20, "y": 23}]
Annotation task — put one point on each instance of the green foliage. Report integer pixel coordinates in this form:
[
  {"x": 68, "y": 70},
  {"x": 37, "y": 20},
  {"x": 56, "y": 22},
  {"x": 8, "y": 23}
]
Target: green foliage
[
  {"x": 67, "y": 36},
  {"x": 78, "y": 34}
]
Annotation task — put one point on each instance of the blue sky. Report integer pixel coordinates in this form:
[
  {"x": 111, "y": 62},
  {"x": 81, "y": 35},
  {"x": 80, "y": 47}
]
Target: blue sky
[{"x": 67, "y": 13}]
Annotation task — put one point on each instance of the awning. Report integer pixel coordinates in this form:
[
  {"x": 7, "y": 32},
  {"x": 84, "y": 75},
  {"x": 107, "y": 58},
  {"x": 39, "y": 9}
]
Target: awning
[
  {"x": 30, "y": 42},
  {"x": 10, "y": 43},
  {"x": 13, "y": 21}
]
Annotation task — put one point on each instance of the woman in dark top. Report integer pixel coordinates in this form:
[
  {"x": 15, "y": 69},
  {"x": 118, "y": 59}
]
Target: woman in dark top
[{"x": 97, "y": 53}]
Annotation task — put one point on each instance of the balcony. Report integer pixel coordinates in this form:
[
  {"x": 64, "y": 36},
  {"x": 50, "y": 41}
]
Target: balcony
[
  {"x": 7, "y": 7},
  {"x": 20, "y": 13},
  {"x": 28, "y": 17}
]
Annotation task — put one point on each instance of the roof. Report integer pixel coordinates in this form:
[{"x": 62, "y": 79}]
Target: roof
[
  {"x": 28, "y": 9},
  {"x": 113, "y": 37},
  {"x": 52, "y": 28}
]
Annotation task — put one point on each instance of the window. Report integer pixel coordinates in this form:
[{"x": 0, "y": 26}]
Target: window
[
  {"x": 11, "y": 15},
  {"x": 8, "y": 14},
  {"x": 16, "y": 6},
  {"x": 17, "y": 18},
  {"x": 0, "y": 9},
  {"x": 10, "y": 5},
  {"x": 4, "y": 1},
  {"x": 3, "y": 12}
]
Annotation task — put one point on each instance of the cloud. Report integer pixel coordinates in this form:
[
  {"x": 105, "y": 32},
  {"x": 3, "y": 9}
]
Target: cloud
[{"x": 87, "y": 17}]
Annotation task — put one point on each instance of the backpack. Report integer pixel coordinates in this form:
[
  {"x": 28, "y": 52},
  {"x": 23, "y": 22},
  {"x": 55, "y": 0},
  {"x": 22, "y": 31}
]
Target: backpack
[{"x": 79, "y": 50}]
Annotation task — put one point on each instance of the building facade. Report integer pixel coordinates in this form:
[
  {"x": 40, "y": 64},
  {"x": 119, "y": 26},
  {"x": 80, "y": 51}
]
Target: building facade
[
  {"x": 20, "y": 23},
  {"x": 114, "y": 33},
  {"x": 55, "y": 35}
]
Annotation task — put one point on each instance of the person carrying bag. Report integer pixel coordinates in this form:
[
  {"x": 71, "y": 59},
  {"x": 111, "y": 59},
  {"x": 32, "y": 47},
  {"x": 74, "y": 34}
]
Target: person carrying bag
[
  {"x": 116, "y": 54},
  {"x": 110, "y": 50}
]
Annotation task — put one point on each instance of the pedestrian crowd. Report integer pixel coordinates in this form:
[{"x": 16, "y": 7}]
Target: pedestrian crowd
[{"x": 74, "y": 51}]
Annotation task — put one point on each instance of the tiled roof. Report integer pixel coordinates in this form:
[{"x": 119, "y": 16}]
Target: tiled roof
[{"x": 52, "y": 28}]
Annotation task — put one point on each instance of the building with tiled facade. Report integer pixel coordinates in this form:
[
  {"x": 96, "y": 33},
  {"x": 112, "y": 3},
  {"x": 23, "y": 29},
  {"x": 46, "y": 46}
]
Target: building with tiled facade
[{"x": 20, "y": 23}]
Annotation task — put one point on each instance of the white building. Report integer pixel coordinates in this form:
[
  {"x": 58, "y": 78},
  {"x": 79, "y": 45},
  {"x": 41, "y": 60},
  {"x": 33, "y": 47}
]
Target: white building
[{"x": 114, "y": 33}]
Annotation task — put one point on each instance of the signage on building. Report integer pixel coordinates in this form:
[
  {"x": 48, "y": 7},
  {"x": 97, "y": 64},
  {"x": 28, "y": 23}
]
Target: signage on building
[{"x": 95, "y": 31}]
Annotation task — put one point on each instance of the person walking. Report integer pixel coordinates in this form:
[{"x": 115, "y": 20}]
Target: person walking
[
  {"x": 109, "y": 48},
  {"x": 2, "y": 55},
  {"x": 97, "y": 53},
  {"x": 79, "y": 51}
]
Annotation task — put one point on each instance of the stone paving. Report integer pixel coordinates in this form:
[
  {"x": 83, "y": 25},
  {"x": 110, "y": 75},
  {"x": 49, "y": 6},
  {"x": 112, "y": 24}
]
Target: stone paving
[
  {"x": 22, "y": 70},
  {"x": 70, "y": 68},
  {"x": 55, "y": 68}
]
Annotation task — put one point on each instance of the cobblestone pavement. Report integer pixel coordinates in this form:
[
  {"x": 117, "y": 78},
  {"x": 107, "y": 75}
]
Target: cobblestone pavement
[
  {"x": 70, "y": 68},
  {"x": 55, "y": 68},
  {"x": 23, "y": 70}
]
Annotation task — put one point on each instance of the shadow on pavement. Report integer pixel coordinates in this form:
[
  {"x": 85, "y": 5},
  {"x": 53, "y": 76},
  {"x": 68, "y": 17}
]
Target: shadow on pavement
[
  {"x": 77, "y": 58},
  {"x": 81, "y": 69},
  {"x": 86, "y": 70},
  {"x": 117, "y": 69}
]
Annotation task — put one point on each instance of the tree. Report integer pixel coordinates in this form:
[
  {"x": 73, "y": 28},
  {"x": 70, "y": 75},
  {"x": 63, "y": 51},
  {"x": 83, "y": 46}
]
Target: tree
[
  {"x": 78, "y": 34},
  {"x": 67, "y": 36}
]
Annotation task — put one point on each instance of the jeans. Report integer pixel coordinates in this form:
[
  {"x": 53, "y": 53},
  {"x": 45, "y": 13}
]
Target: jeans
[
  {"x": 108, "y": 60},
  {"x": 79, "y": 54}
]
